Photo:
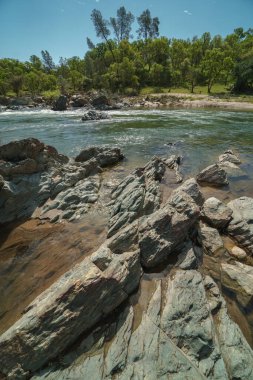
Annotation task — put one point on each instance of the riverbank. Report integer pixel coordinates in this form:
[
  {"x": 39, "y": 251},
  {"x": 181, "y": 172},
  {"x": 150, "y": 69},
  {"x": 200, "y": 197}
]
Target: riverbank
[{"x": 103, "y": 101}]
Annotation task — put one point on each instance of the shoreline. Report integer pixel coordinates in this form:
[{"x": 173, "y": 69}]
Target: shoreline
[{"x": 151, "y": 101}]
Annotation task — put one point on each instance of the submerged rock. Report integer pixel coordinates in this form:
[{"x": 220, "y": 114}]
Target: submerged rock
[
  {"x": 213, "y": 175},
  {"x": 95, "y": 115}
]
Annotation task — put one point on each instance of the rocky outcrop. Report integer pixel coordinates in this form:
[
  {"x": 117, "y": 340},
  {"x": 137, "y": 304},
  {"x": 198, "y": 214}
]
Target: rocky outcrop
[
  {"x": 213, "y": 175},
  {"x": 105, "y": 156},
  {"x": 241, "y": 227},
  {"x": 100, "y": 101},
  {"x": 36, "y": 180},
  {"x": 78, "y": 101},
  {"x": 95, "y": 115},
  {"x": 164, "y": 232},
  {"x": 216, "y": 213},
  {"x": 60, "y": 104},
  {"x": 184, "y": 332},
  {"x": 137, "y": 195},
  {"x": 67, "y": 309}
]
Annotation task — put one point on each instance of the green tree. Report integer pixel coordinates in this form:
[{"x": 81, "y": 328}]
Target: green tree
[
  {"x": 48, "y": 62},
  {"x": 212, "y": 66},
  {"x": 122, "y": 24},
  {"x": 148, "y": 26}
]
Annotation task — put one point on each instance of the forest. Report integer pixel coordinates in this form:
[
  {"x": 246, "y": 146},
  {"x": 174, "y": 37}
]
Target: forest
[{"x": 126, "y": 61}]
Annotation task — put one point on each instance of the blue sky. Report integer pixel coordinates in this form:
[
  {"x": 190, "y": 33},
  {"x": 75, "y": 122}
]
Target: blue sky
[{"x": 61, "y": 26}]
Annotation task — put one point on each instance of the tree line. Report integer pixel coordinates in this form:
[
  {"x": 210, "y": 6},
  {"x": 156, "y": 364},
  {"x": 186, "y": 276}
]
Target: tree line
[{"x": 122, "y": 64}]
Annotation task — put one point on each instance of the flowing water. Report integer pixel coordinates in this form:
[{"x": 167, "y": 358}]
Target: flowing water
[{"x": 30, "y": 261}]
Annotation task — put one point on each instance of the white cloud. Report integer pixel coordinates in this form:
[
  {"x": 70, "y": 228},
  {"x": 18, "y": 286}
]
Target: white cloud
[{"x": 187, "y": 12}]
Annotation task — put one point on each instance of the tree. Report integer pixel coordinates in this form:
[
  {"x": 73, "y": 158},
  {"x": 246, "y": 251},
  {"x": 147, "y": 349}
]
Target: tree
[
  {"x": 122, "y": 24},
  {"x": 48, "y": 62},
  {"x": 17, "y": 83},
  {"x": 90, "y": 44},
  {"x": 36, "y": 62},
  {"x": 212, "y": 66},
  {"x": 101, "y": 28},
  {"x": 33, "y": 82},
  {"x": 148, "y": 26}
]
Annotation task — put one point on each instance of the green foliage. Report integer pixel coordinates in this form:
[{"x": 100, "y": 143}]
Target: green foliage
[{"x": 148, "y": 26}]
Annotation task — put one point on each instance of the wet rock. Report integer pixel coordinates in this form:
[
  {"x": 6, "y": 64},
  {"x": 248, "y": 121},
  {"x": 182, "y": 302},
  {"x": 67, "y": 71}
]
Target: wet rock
[
  {"x": 69, "y": 305},
  {"x": 105, "y": 156},
  {"x": 60, "y": 104},
  {"x": 216, "y": 213},
  {"x": 162, "y": 233},
  {"x": 210, "y": 240},
  {"x": 229, "y": 157},
  {"x": 238, "y": 278},
  {"x": 137, "y": 195},
  {"x": 241, "y": 227},
  {"x": 213, "y": 175},
  {"x": 95, "y": 115}
]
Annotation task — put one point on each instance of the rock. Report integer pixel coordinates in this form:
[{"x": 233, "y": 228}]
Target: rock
[
  {"x": 229, "y": 157},
  {"x": 35, "y": 174},
  {"x": 137, "y": 195},
  {"x": 95, "y": 115},
  {"x": 191, "y": 188},
  {"x": 105, "y": 156},
  {"x": 187, "y": 258},
  {"x": 162, "y": 233},
  {"x": 216, "y": 213},
  {"x": 60, "y": 104},
  {"x": 241, "y": 227},
  {"x": 238, "y": 278},
  {"x": 100, "y": 101},
  {"x": 56, "y": 318},
  {"x": 179, "y": 334},
  {"x": 79, "y": 101},
  {"x": 213, "y": 175},
  {"x": 238, "y": 253},
  {"x": 173, "y": 162},
  {"x": 210, "y": 240}
]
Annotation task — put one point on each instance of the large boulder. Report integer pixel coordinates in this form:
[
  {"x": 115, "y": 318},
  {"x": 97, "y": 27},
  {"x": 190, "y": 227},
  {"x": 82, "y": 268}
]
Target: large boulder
[
  {"x": 100, "y": 101},
  {"x": 60, "y": 104},
  {"x": 179, "y": 329},
  {"x": 216, "y": 213},
  {"x": 105, "y": 156},
  {"x": 78, "y": 101},
  {"x": 213, "y": 175},
  {"x": 71, "y": 306}
]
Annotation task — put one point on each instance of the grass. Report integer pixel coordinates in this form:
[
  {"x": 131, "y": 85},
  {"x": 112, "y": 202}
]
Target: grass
[
  {"x": 52, "y": 94},
  {"x": 217, "y": 89}
]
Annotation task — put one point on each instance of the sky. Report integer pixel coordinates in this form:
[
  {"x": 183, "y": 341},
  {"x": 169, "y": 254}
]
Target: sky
[{"x": 61, "y": 26}]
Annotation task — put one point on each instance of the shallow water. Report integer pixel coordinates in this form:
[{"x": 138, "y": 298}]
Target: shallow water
[{"x": 197, "y": 135}]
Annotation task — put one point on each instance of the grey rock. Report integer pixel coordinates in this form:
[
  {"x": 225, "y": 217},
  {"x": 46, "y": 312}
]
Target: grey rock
[
  {"x": 68, "y": 304},
  {"x": 213, "y": 175},
  {"x": 241, "y": 227},
  {"x": 187, "y": 258},
  {"x": 210, "y": 240},
  {"x": 95, "y": 115},
  {"x": 238, "y": 253},
  {"x": 229, "y": 157},
  {"x": 216, "y": 213},
  {"x": 137, "y": 195},
  {"x": 105, "y": 156},
  {"x": 60, "y": 104},
  {"x": 162, "y": 233},
  {"x": 238, "y": 278}
]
